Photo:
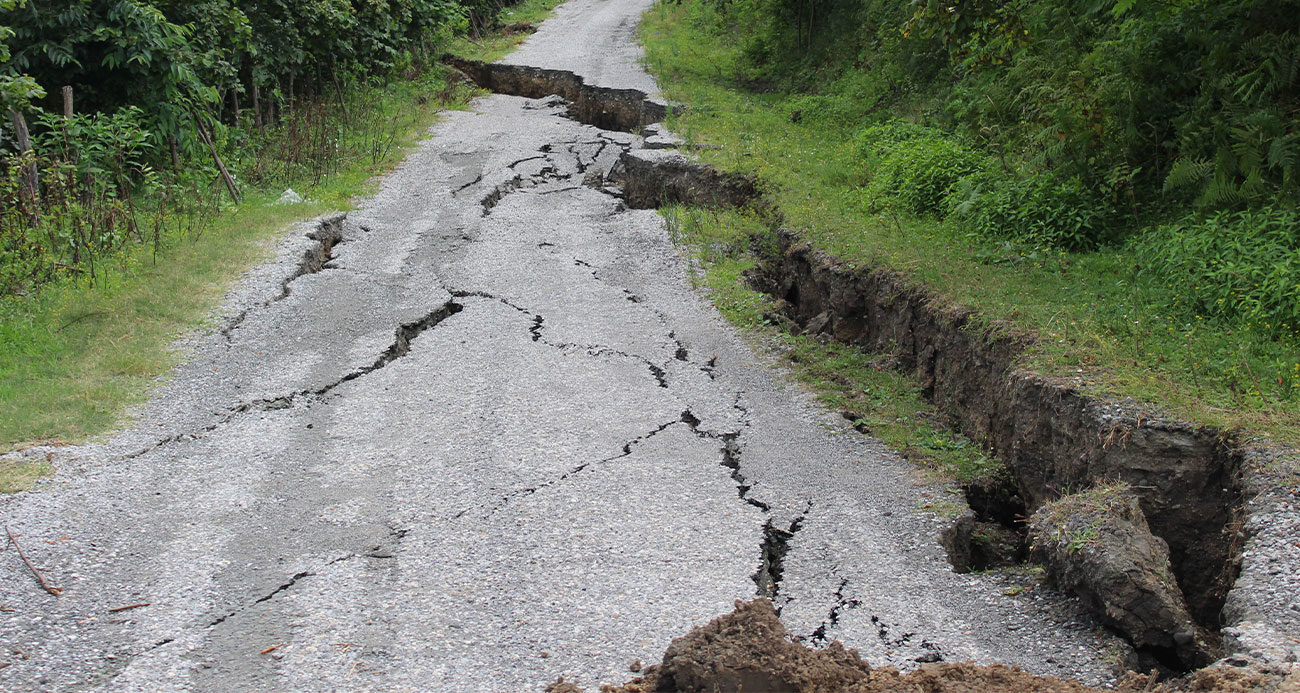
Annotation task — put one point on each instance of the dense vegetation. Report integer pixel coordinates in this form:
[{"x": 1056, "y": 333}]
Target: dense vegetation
[
  {"x": 1067, "y": 123},
  {"x": 126, "y": 240},
  {"x": 173, "y": 103},
  {"x": 1118, "y": 178}
]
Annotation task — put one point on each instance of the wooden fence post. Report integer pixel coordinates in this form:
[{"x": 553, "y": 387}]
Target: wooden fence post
[{"x": 30, "y": 190}]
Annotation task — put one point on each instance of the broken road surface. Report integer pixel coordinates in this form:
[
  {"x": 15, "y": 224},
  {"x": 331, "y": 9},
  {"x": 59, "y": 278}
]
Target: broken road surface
[{"x": 477, "y": 435}]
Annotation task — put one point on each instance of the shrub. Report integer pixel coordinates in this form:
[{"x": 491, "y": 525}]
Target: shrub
[
  {"x": 914, "y": 165},
  {"x": 1241, "y": 266},
  {"x": 1039, "y": 210},
  {"x": 875, "y": 140}
]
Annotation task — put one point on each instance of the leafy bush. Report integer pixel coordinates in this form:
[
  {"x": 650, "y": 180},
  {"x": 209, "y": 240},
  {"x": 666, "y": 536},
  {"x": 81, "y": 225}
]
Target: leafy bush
[
  {"x": 873, "y": 140},
  {"x": 1242, "y": 266},
  {"x": 1039, "y": 210},
  {"x": 914, "y": 165}
]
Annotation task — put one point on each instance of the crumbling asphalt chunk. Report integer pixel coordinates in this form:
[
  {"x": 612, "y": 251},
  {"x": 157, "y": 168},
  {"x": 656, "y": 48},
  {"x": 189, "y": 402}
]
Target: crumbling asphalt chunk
[
  {"x": 652, "y": 178},
  {"x": 326, "y": 234}
]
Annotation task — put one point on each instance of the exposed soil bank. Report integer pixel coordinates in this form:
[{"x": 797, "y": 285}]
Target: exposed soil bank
[
  {"x": 625, "y": 110},
  {"x": 1190, "y": 479},
  {"x": 651, "y": 178},
  {"x": 749, "y": 650}
]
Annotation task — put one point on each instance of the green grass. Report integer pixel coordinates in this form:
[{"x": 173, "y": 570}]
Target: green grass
[
  {"x": 875, "y": 396},
  {"x": 20, "y": 473},
  {"x": 1076, "y": 520},
  {"x": 73, "y": 358},
  {"x": 495, "y": 47},
  {"x": 1099, "y": 323}
]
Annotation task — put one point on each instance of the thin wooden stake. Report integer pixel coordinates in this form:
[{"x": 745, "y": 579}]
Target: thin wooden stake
[
  {"x": 67, "y": 102},
  {"x": 221, "y": 165},
  {"x": 39, "y": 578}
]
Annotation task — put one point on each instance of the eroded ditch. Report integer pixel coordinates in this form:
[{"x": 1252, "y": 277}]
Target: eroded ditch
[{"x": 1052, "y": 439}]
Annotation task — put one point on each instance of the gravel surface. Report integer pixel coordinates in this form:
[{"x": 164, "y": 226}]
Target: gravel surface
[{"x": 496, "y": 438}]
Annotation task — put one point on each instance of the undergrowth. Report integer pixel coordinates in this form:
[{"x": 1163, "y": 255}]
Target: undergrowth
[
  {"x": 76, "y": 355},
  {"x": 1102, "y": 317}
]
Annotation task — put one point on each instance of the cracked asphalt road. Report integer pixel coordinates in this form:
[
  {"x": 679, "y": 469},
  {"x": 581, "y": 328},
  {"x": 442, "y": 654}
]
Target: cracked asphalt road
[{"x": 478, "y": 435}]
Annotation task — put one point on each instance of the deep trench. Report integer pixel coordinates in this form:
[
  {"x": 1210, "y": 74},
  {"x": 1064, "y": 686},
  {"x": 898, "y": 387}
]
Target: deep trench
[
  {"x": 1051, "y": 437},
  {"x": 624, "y": 110}
]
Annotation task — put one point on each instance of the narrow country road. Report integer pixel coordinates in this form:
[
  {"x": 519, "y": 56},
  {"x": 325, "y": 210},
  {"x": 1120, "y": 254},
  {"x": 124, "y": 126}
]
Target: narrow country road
[{"x": 480, "y": 434}]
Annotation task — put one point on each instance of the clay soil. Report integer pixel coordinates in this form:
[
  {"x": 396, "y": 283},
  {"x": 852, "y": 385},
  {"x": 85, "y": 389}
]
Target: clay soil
[{"x": 748, "y": 651}]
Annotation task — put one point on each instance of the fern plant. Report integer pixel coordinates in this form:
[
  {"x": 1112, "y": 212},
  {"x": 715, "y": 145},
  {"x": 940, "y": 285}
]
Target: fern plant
[{"x": 1254, "y": 135}]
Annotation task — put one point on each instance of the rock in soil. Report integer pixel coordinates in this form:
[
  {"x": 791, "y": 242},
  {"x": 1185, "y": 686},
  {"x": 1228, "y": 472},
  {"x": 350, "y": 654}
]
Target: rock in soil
[{"x": 1097, "y": 545}]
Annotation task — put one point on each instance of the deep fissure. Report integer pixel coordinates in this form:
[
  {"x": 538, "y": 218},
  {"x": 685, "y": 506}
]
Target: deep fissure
[
  {"x": 775, "y": 546},
  {"x": 1052, "y": 438},
  {"x": 399, "y": 348},
  {"x": 624, "y": 110},
  {"x": 977, "y": 384},
  {"x": 842, "y": 604}
]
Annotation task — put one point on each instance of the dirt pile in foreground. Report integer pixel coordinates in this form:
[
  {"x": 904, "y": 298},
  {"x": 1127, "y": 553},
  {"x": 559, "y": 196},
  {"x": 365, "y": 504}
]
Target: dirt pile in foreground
[{"x": 748, "y": 650}]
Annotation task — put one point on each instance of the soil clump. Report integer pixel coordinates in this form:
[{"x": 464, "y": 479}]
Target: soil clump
[
  {"x": 1097, "y": 544},
  {"x": 750, "y": 650}
]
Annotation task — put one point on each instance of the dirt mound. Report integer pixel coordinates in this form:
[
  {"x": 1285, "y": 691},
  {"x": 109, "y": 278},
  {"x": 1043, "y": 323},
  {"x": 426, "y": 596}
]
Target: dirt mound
[{"x": 749, "y": 650}]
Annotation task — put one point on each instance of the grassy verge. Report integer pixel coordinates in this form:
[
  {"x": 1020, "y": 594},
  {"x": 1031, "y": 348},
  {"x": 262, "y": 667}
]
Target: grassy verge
[
  {"x": 1098, "y": 319},
  {"x": 513, "y": 19},
  {"x": 866, "y": 388},
  {"x": 73, "y": 358}
]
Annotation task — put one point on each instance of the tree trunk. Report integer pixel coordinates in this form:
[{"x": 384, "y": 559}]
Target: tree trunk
[
  {"x": 343, "y": 104},
  {"x": 257, "y": 107},
  {"x": 29, "y": 189}
]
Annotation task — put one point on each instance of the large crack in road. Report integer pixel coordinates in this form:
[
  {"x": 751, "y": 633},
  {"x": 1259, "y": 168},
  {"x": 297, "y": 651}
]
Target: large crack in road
[{"x": 481, "y": 434}]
